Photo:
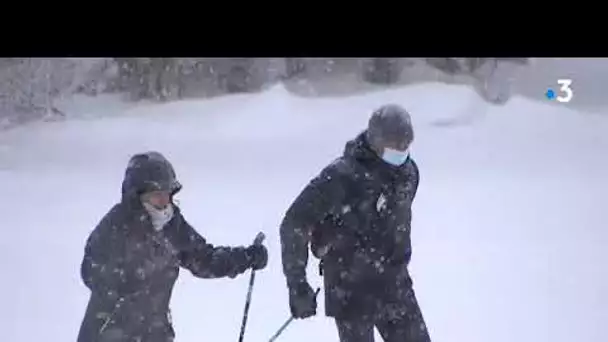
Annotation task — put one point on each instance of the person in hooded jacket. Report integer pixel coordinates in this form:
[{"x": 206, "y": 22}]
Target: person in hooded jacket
[
  {"x": 133, "y": 257},
  {"x": 356, "y": 216}
]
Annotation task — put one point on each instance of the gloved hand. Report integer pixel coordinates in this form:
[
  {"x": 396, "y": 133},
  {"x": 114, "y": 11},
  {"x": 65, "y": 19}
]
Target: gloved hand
[
  {"x": 258, "y": 256},
  {"x": 302, "y": 300}
]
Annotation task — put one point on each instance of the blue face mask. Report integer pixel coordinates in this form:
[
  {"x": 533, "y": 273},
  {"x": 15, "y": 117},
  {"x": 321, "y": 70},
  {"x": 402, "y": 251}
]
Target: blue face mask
[{"x": 395, "y": 157}]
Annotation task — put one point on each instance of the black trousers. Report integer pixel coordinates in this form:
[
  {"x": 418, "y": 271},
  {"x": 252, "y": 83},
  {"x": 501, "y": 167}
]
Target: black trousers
[{"x": 395, "y": 323}]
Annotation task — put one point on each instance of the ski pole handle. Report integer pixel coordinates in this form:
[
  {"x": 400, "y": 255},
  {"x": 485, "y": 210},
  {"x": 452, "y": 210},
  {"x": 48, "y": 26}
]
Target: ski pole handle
[{"x": 259, "y": 238}]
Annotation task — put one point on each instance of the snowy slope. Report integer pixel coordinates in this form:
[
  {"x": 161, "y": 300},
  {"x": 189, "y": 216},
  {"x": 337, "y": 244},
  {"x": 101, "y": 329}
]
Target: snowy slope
[{"x": 509, "y": 224}]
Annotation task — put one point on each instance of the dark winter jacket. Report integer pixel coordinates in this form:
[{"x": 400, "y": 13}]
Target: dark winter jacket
[
  {"x": 131, "y": 269},
  {"x": 357, "y": 212}
]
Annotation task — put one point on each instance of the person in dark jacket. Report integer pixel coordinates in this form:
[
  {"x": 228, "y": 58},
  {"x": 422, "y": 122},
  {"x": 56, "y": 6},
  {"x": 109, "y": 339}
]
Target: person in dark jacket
[
  {"x": 132, "y": 258},
  {"x": 356, "y": 216}
]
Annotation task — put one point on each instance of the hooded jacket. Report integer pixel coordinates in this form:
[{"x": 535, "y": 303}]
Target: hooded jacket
[{"x": 130, "y": 268}]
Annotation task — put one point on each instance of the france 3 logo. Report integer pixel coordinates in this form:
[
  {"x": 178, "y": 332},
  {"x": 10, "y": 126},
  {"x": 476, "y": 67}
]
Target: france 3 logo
[{"x": 565, "y": 92}]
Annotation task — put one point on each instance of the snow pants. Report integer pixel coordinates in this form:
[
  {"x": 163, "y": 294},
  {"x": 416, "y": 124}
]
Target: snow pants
[{"x": 394, "y": 323}]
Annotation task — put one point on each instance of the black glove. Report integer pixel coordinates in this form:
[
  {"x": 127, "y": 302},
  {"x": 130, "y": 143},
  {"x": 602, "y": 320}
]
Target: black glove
[
  {"x": 258, "y": 256},
  {"x": 302, "y": 300}
]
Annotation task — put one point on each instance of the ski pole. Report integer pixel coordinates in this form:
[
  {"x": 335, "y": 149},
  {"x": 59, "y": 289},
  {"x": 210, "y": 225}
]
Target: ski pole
[
  {"x": 257, "y": 241},
  {"x": 287, "y": 322}
]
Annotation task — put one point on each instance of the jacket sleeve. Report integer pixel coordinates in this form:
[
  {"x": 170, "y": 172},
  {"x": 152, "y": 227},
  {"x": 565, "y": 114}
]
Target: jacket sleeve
[
  {"x": 321, "y": 197},
  {"x": 414, "y": 180},
  {"x": 205, "y": 260},
  {"x": 106, "y": 268},
  {"x": 403, "y": 251}
]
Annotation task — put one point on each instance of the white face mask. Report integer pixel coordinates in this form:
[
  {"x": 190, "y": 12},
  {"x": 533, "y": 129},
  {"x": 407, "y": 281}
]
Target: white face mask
[
  {"x": 395, "y": 157},
  {"x": 159, "y": 217}
]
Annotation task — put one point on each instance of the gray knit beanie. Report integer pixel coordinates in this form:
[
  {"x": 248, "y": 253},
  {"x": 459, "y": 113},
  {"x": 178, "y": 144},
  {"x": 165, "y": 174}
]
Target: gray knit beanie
[{"x": 390, "y": 123}]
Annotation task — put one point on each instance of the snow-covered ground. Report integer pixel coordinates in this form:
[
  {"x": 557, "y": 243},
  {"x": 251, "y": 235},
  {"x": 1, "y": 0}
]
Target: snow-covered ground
[{"x": 509, "y": 224}]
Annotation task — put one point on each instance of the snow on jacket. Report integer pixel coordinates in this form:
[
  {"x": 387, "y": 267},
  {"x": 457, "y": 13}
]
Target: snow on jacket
[
  {"x": 357, "y": 212},
  {"x": 131, "y": 268}
]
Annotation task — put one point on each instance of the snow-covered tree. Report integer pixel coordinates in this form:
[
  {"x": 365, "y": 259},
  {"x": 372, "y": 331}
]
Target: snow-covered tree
[{"x": 29, "y": 87}]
